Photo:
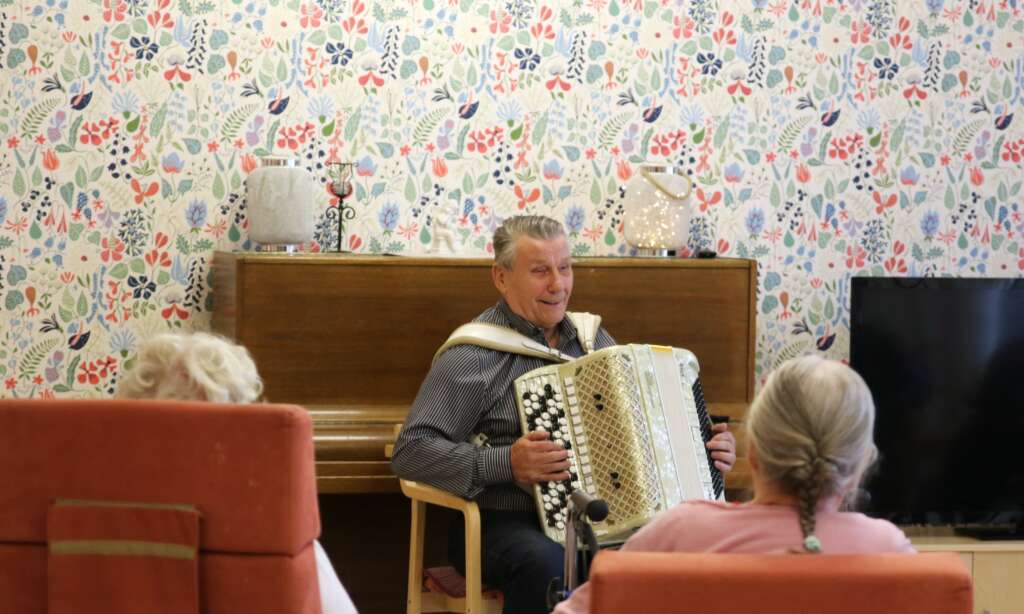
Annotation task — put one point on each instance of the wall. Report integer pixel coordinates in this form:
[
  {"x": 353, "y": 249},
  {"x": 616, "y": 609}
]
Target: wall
[{"x": 826, "y": 139}]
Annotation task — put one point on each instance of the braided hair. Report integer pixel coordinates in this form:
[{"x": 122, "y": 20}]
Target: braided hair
[{"x": 812, "y": 428}]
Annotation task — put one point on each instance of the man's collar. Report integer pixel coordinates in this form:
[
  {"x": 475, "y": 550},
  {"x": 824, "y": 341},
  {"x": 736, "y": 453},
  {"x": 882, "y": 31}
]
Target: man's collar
[{"x": 566, "y": 329}]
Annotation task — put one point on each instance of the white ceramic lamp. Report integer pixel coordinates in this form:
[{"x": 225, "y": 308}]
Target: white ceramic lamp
[
  {"x": 280, "y": 197},
  {"x": 657, "y": 215}
]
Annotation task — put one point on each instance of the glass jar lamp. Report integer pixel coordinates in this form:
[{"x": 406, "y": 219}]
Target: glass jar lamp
[{"x": 657, "y": 214}]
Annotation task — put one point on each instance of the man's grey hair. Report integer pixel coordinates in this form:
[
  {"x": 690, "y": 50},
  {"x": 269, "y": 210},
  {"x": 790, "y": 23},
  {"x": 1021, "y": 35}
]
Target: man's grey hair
[{"x": 533, "y": 226}]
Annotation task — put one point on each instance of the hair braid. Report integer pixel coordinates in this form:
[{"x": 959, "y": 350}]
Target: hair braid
[{"x": 809, "y": 490}]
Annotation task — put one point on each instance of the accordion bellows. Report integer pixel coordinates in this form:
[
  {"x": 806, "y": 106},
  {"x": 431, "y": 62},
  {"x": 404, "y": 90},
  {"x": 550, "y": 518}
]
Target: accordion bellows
[{"x": 635, "y": 417}]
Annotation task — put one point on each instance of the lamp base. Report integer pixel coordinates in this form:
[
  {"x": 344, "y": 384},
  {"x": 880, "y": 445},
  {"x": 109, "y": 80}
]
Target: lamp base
[
  {"x": 655, "y": 252},
  {"x": 281, "y": 248}
]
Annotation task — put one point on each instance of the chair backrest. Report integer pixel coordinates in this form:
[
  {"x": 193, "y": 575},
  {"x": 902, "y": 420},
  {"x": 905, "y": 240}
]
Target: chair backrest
[
  {"x": 248, "y": 470},
  {"x": 934, "y": 583}
]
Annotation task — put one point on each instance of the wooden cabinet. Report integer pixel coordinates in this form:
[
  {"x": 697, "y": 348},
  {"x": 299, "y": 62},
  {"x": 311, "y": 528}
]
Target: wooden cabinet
[{"x": 997, "y": 568}]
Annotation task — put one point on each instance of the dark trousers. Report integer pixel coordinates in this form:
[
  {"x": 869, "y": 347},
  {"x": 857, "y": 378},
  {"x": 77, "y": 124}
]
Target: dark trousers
[{"x": 516, "y": 557}]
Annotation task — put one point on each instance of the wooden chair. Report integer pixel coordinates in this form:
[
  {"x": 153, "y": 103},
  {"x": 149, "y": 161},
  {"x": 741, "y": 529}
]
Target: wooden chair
[{"x": 475, "y": 600}]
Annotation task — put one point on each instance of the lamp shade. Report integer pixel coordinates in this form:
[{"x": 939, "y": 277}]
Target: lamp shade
[
  {"x": 279, "y": 196},
  {"x": 657, "y": 215}
]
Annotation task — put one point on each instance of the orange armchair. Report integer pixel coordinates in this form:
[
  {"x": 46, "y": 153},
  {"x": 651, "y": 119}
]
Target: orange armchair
[
  {"x": 182, "y": 507},
  {"x": 936, "y": 583}
]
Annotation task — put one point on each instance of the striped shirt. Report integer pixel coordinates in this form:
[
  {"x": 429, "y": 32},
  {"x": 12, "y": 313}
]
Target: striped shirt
[{"x": 468, "y": 392}]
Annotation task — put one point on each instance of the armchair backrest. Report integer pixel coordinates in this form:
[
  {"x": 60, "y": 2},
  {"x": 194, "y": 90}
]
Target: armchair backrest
[
  {"x": 934, "y": 583},
  {"x": 246, "y": 469}
]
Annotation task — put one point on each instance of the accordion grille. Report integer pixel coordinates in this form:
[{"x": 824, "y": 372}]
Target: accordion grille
[{"x": 622, "y": 463}]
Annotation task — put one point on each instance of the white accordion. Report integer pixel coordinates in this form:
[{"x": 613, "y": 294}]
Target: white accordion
[{"x": 635, "y": 417}]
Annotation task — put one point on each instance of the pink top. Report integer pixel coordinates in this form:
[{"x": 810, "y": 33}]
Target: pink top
[{"x": 707, "y": 526}]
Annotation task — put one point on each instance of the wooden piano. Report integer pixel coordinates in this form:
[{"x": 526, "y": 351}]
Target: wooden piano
[{"x": 351, "y": 337}]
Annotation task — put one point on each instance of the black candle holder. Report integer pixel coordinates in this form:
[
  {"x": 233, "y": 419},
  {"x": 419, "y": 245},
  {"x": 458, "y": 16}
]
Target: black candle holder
[{"x": 340, "y": 175}]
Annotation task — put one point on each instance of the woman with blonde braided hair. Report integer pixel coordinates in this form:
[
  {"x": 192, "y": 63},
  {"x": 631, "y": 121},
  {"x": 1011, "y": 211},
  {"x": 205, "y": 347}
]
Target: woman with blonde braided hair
[{"x": 809, "y": 443}]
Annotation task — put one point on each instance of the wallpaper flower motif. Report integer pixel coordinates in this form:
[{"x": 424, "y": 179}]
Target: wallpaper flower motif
[{"x": 826, "y": 139}]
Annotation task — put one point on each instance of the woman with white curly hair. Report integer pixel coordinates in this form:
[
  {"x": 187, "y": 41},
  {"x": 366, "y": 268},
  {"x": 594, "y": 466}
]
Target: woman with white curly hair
[
  {"x": 191, "y": 367},
  {"x": 207, "y": 367}
]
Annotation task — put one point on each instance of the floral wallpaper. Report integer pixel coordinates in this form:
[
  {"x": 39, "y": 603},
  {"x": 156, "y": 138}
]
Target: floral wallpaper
[{"x": 826, "y": 139}]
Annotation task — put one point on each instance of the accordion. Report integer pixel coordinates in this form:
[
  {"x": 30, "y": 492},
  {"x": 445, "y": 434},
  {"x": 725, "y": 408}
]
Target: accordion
[{"x": 635, "y": 418}]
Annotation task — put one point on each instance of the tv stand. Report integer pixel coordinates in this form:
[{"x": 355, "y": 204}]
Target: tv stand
[
  {"x": 991, "y": 532},
  {"x": 996, "y": 566}
]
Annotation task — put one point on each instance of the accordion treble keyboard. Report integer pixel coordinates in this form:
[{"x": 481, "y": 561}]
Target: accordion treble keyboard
[{"x": 635, "y": 420}]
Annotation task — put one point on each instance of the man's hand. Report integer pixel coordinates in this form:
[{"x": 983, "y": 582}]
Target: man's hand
[
  {"x": 537, "y": 459},
  {"x": 723, "y": 447}
]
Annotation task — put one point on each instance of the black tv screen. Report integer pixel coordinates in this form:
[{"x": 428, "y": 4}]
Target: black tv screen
[{"x": 944, "y": 359}]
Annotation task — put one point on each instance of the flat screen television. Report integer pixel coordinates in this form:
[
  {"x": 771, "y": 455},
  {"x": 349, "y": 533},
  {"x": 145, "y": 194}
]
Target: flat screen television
[{"x": 944, "y": 359}]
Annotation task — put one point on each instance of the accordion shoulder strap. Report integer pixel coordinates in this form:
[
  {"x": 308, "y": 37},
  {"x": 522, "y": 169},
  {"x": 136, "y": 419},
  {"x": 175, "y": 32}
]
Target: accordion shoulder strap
[
  {"x": 587, "y": 325},
  {"x": 500, "y": 338},
  {"x": 505, "y": 339}
]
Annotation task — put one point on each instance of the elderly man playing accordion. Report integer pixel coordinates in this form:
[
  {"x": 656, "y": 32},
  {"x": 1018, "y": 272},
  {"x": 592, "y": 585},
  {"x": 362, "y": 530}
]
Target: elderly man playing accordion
[{"x": 464, "y": 435}]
